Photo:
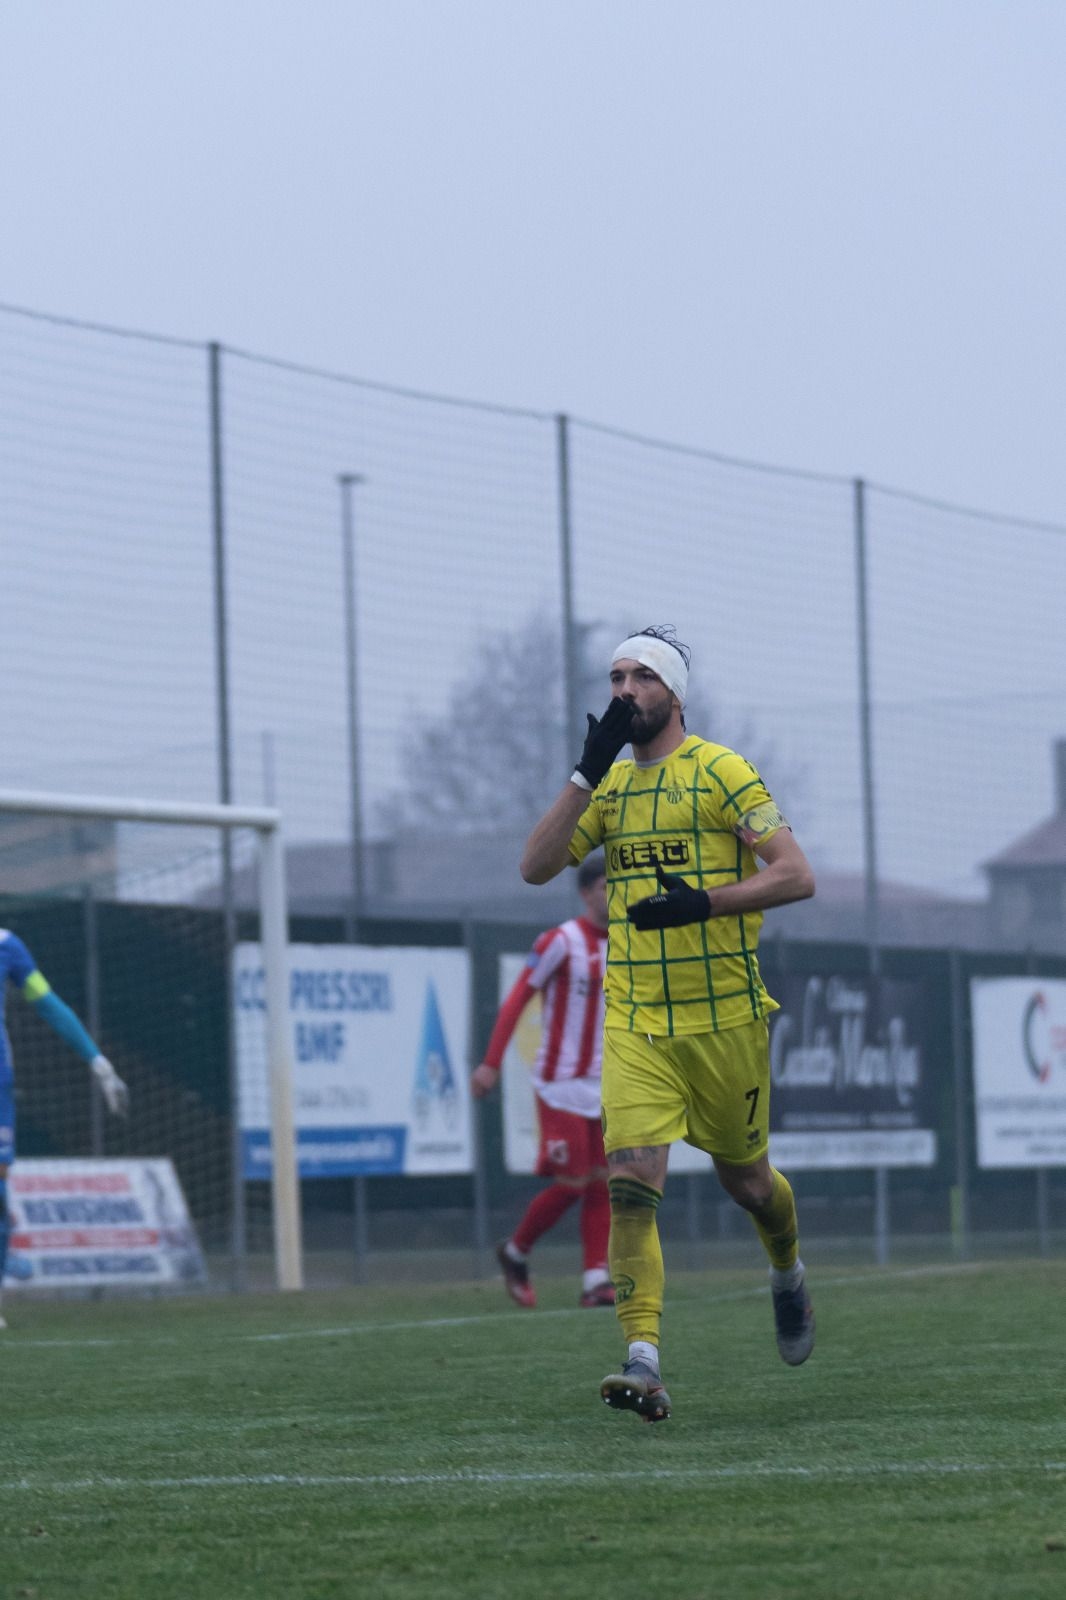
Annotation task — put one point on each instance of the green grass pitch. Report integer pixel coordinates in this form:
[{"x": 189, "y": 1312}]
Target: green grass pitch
[{"x": 413, "y": 1443}]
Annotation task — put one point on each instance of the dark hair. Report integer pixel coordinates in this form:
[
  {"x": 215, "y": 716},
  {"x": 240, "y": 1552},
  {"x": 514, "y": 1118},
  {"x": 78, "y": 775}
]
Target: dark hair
[
  {"x": 591, "y": 870},
  {"x": 667, "y": 634}
]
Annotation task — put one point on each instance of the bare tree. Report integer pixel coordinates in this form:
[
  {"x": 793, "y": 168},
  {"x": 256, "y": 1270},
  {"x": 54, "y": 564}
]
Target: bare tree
[
  {"x": 495, "y": 757},
  {"x": 499, "y": 754}
]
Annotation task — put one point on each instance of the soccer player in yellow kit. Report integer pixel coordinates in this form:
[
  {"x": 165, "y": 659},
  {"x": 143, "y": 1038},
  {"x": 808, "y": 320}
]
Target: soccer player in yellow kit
[{"x": 686, "y": 1053}]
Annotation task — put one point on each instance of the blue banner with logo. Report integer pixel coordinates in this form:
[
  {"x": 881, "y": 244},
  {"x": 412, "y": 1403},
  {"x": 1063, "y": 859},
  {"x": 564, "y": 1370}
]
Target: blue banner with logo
[{"x": 379, "y": 1051}]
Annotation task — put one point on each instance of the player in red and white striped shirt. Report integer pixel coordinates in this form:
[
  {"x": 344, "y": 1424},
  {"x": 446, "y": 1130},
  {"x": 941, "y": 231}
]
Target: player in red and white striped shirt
[{"x": 566, "y": 967}]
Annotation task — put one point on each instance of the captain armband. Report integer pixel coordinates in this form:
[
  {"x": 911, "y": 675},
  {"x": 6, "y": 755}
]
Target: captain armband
[{"x": 757, "y": 825}]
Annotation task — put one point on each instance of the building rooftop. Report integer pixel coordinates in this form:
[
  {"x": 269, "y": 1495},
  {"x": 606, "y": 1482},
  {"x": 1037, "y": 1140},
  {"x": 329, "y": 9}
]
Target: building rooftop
[{"x": 1042, "y": 846}]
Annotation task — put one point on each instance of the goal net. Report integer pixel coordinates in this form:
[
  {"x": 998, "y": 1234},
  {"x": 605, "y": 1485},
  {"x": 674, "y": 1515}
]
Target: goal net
[{"x": 131, "y": 910}]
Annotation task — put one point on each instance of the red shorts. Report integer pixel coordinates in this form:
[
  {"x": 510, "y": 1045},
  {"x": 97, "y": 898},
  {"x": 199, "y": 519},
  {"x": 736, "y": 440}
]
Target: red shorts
[{"x": 570, "y": 1146}]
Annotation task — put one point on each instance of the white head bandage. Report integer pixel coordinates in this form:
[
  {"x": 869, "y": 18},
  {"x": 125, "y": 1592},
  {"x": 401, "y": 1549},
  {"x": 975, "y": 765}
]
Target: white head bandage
[{"x": 664, "y": 660}]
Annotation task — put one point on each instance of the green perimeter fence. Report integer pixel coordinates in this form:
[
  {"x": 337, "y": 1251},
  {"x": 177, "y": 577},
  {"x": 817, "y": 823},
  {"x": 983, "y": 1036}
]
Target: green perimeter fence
[{"x": 154, "y": 988}]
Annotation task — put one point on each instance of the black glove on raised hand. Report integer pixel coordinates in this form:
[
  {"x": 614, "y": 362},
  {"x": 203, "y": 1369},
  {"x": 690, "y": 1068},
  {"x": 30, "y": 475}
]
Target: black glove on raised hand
[
  {"x": 680, "y": 903},
  {"x": 603, "y": 742}
]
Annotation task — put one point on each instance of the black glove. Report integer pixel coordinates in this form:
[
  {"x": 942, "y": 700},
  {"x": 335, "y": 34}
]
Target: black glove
[
  {"x": 680, "y": 903},
  {"x": 604, "y": 740}
]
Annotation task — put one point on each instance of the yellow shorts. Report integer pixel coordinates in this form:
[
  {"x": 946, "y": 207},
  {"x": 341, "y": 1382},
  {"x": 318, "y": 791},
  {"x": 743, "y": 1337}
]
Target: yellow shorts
[{"x": 710, "y": 1089}]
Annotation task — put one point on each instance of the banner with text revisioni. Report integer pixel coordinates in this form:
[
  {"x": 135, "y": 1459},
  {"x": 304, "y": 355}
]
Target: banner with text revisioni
[{"x": 94, "y": 1222}]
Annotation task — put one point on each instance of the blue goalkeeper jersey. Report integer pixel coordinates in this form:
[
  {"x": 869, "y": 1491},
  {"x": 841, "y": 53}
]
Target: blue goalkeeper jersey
[{"x": 16, "y": 966}]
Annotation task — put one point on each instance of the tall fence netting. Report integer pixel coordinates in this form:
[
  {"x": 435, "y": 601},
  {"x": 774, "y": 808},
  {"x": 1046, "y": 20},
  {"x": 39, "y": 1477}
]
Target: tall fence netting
[{"x": 457, "y": 613}]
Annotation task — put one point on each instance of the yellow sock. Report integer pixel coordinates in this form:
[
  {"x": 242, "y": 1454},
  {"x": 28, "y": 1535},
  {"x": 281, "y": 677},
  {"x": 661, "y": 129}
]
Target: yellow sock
[
  {"x": 636, "y": 1258},
  {"x": 777, "y": 1225}
]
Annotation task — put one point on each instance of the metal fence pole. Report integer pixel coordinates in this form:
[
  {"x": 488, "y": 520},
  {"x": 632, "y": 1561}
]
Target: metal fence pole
[
  {"x": 566, "y": 562},
  {"x": 869, "y": 809},
  {"x": 1043, "y": 1211},
  {"x": 960, "y": 1195},
  {"x": 238, "y": 1227},
  {"x": 270, "y": 767},
  {"x": 882, "y": 1220},
  {"x": 348, "y": 482},
  {"x": 479, "y": 1175},
  {"x": 693, "y": 1196},
  {"x": 91, "y": 935},
  {"x": 1042, "y": 1193},
  {"x": 361, "y": 1228}
]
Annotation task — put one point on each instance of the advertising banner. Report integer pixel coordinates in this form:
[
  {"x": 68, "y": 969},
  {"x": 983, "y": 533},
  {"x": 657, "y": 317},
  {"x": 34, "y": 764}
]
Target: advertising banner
[
  {"x": 1019, "y": 1070},
  {"x": 850, "y": 1074},
  {"x": 379, "y": 1050},
  {"x": 520, "y": 1134},
  {"x": 84, "y": 1223}
]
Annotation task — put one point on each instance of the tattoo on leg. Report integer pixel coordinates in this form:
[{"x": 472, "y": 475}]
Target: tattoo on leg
[{"x": 625, "y": 1158}]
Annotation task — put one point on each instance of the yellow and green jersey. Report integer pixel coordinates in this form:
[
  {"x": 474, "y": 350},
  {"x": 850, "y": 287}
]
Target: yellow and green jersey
[{"x": 698, "y": 813}]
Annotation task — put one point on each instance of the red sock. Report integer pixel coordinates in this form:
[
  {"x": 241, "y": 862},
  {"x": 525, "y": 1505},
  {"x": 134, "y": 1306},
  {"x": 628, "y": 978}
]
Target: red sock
[
  {"x": 543, "y": 1212},
  {"x": 595, "y": 1223}
]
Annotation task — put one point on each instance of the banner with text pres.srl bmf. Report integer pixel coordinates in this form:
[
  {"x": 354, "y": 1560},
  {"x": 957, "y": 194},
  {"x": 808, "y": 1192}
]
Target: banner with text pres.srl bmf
[{"x": 379, "y": 1052}]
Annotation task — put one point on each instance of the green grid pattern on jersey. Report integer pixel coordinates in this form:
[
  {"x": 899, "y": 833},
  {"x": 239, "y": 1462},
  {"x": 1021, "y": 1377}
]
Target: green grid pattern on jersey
[{"x": 682, "y": 813}]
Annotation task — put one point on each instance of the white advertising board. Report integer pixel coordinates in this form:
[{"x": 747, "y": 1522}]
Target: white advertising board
[
  {"x": 520, "y": 1134},
  {"x": 1019, "y": 1069},
  {"x": 379, "y": 1051},
  {"x": 86, "y": 1223}
]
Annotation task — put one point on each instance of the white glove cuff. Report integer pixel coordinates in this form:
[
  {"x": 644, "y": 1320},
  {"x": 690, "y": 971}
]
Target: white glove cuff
[{"x": 581, "y": 781}]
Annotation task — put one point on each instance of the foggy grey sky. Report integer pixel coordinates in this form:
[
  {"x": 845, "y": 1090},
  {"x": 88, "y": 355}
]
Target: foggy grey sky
[{"x": 822, "y": 233}]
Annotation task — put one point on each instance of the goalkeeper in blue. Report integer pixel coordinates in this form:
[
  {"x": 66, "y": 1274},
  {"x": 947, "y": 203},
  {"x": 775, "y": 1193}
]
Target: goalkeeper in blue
[{"x": 18, "y": 967}]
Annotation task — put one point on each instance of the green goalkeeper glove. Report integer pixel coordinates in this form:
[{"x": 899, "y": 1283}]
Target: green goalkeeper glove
[{"x": 680, "y": 904}]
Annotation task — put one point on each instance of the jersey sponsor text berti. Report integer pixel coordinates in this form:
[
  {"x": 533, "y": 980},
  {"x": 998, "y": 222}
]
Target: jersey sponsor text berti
[{"x": 698, "y": 813}]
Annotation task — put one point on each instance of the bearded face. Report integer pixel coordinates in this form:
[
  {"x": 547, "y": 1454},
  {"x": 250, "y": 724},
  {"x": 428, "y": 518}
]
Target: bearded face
[{"x": 651, "y": 718}]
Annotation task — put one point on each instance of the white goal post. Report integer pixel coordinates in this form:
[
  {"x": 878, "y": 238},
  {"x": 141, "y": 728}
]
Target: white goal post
[{"x": 266, "y": 823}]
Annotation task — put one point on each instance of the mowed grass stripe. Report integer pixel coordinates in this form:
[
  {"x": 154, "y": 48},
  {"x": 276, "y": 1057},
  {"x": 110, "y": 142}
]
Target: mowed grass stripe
[
  {"x": 877, "y": 1279},
  {"x": 818, "y": 1471}
]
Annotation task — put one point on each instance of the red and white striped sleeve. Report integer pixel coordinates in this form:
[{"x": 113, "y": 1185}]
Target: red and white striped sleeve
[{"x": 543, "y": 961}]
